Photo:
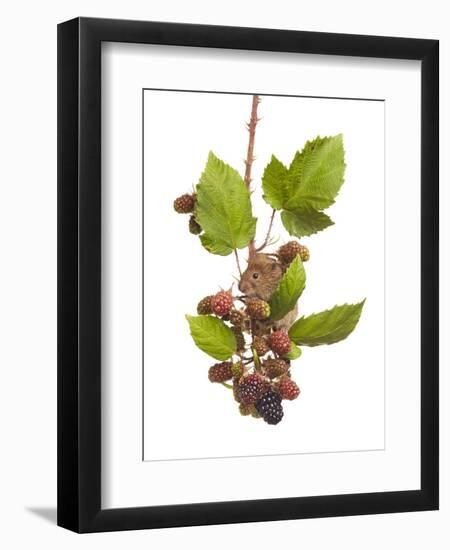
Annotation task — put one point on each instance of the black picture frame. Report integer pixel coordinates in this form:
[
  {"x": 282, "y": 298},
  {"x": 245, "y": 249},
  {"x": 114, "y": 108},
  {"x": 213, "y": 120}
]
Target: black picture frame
[{"x": 79, "y": 274}]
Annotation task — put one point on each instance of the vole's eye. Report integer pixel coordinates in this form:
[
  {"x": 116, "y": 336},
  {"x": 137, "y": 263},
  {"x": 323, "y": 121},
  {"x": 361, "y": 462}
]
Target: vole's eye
[{"x": 255, "y": 275}]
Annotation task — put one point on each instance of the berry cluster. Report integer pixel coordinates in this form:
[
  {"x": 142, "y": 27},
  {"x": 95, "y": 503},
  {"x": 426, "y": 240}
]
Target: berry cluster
[
  {"x": 185, "y": 204},
  {"x": 259, "y": 373}
]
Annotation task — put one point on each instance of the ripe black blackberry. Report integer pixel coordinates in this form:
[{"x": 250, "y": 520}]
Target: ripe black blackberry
[{"x": 270, "y": 408}]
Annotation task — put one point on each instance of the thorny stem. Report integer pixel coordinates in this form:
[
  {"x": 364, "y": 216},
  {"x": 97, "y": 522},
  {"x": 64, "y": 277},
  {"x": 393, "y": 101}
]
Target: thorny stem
[
  {"x": 251, "y": 125},
  {"x": 266, "y": 240}
]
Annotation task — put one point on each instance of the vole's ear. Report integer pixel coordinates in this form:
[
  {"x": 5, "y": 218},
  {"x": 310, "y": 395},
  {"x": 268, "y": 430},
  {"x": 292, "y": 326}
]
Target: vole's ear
[{"x": 276, "y": 266}]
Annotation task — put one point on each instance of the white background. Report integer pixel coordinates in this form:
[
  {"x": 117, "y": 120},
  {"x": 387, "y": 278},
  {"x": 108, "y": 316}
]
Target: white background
[
  {"x": 28, "y": 295},
  {"x": 346, "y": 265},
  {"x": 126, "y": 480}
]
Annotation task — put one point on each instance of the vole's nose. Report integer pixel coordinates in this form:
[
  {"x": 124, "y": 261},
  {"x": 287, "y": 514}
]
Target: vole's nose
[{"x": 242, "y": 286}]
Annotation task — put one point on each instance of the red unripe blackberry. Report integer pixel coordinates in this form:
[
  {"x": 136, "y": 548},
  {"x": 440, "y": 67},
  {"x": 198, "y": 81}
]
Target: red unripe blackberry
[
  {"x": 204, "y": 306},
  {"x": 290, "y": 250},
  {"x": 257, "y": 309},
  {"x": 251, "y": 388},
  {"x": 279, "y": 342},
  {"x": 220, "y": 372},
  {"x": 270, "y": 408},
  {"x": 260, "y": 345},
  {"x": 288, "y": 389},
  {"x": 184, "y": 204},
  {"x": 273, "y": 368},
  {"x": 221, "y": 303}
]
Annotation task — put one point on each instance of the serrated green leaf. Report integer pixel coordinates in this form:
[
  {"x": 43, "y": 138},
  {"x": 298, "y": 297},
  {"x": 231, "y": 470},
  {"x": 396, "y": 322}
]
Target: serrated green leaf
[
  {"x": 326, "y": 327},
  {"x": 214, "y": 246},
  {"x": 316, "y": 174},
  {"x": 273, "y": 183},
  {"x": 288, "y": 290},
  {"x": 223, "y": 208},
  {"x": 305, "y": 222},
  {"x": 212, "y": 336},
  {"x": 294, "y": 353}
]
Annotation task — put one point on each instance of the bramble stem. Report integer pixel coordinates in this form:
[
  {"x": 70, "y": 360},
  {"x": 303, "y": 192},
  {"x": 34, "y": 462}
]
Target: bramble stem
[
  {"x": 237, "y": 262},
  {"x": 251, "y": 125},
  {"x": 266, "y": 240}
]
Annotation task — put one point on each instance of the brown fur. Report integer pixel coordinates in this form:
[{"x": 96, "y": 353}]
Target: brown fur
[{"x": 269, "y": 272}]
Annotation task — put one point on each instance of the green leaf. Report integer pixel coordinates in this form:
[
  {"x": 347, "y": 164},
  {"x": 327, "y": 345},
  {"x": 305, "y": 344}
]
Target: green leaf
[
  {"x": 326, "y": 327},
  {"x": 316, "y": 174},
  {"x": 223, "y": 208},
  {"x": 302, "y": 223},
  {"x": 212, "y": 336},
  {"x": 288, "y": 290},
  {"x": 273, "y": 183},
  {"x": 294, "y": 353},
  {"x": 215, "y": 247}
]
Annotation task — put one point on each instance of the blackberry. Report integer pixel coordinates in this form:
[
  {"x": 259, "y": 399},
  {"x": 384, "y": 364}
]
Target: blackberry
[
  {"x": 251, "y": 388},
  {"x": 194, "y": 227},
  {"x": 220, "y": 372},
  {"x": 270, "y": 408},
  {"x": 288, "y": 388},
  {"x": 279, "y": 342},
  {"x": 257, "y": 309},
  {"x": 204, "y": 306},
  {"x": 290, "y": 250},
  {"x": 184, "y": 204},
  {"x": 221, "y": 303},
  {"x": 260, "y": 345},
  {"x": 273, "y": 368}
]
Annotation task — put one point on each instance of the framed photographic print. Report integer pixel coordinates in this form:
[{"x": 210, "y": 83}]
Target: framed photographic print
[{"x": 248, "y": 274}]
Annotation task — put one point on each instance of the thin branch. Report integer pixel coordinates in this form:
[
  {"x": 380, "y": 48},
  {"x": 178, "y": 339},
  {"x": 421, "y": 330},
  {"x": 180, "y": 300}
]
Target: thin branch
[
  {"x": 250, "y": 157},
  {"x": 237, "y": 262},
  {"x": 266, "y": 240}
]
